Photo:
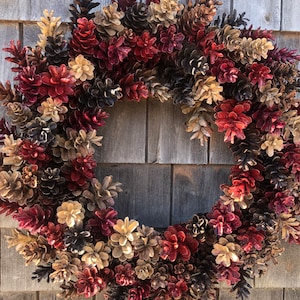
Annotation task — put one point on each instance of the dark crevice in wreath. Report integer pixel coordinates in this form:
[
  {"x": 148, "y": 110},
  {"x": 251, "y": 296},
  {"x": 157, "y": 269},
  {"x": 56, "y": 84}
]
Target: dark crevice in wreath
[{"x": 219, "y": 72}]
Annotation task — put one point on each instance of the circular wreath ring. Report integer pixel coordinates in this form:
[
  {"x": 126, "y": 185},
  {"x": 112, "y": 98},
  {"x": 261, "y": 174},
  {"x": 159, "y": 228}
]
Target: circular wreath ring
[{"x": 218, "y": 72}]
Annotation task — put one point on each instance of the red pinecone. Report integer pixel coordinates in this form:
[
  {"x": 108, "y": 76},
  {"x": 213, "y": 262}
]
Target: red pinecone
[
  {"x": 145, "y": 48},
  {"x": 84, "y": 38},
  {"x": 133, "y": 90},
  {"x": 57, "y": 83}
]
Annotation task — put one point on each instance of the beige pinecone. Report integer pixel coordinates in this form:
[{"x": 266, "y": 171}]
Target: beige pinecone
[
  {"x": 108, "y": 21},
  {"x": 65, "y": 267},
  {"x": 146, "y": 245},
  {"x": 230, "y": 37},
  {"x": 12, "y": 188}
]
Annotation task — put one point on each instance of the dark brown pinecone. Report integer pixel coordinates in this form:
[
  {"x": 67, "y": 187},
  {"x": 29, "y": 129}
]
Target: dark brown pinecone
[
  {"x": 82, "y": 8},
  {"x": 115, "y": 292},
  {"x": 136, "y": 17},
  {"x": 275, "y": 171},
  {"x": 263, "y": 219},
  {"x": 246, "y": 151},
  {"x": 240, "y": 90},
  {"x": 101, "y": 93},
  {"x": 192, "y": 61},
  {"x": 52, "y": 185},
  {"x": 42, "y": 272},
  {"x": 232, "y": 19},
  {"x": 41, "y": 131},
  {"x": 197, "y": 226},
  {"x": 76, "y": 238},
  {"x": 56, "y": 51}
]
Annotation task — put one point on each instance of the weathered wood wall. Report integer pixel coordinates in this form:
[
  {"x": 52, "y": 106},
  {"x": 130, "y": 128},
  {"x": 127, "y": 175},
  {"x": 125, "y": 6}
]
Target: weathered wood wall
[{"x": 166, "y": 178}]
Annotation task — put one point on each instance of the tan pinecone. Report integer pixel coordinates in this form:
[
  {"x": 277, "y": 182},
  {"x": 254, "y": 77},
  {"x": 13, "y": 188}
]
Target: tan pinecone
[
  {"x": 65, "y": 267},
  {"x": 6, "y": 93},
  {"x": 19, "y": 114},
  {"x": 251, "y": 50},
  {"x": 147, "y": 244},
  {"x": 108, "y": 21},
  {"x": 37, "y": 251},
  {"x": 230, "y": 37},
  {"x": 12, "y": 188},
  {"x": 163, "y": 13}
]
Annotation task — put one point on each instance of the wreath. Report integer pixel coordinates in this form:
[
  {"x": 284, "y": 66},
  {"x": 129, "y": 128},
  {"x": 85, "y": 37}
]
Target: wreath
[{"x": 220, "y": 72}]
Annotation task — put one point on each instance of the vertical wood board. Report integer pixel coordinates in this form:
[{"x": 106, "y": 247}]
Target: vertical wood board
[
  {"x": 256, "y": 294},
  {"x": 168, "y": 141},
  {"x": 286, "y": 273},
  {"x": 292, "y": 294},
  {"x": 146, "y": 192},
  {"x": 290, "y": 15},
  {"x": 196, "y": 190},
  {"x": 264, "y": 14},
  {"x": 53, "y": 296},
  {"x": 124, "y": 134},
  {"x": 19, "y": 296},
  {"x": 8, "y": 32}
]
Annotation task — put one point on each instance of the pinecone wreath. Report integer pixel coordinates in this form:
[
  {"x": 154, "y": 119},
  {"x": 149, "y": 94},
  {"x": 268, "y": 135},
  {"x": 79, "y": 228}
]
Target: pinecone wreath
[{"x": 220, "y": 72}]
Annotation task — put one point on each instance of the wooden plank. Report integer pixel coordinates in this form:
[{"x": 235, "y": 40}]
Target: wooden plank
[
  {"x": 266, "y": 294},
  {"x": 16, "y": 10},
  {"x": 53, "y": 296},
  {"x": 291, "y": 294},
  {"x": 168, "y": 142},
  {"x": 7, "y": 222},
  {"x": 18, "y": 296},
  {"x": 196, "y": 189},
  {"x": 15, "y": 276},
  {"x": 219, "y": 151},
  {"x": 146, "y": 191},
  {"x": 290, "y": 15},
  {"x": 8, "y": 32},
  {"x": 224, "y": 8},
  {"x": 124, "y": 134},
  {"x": 284, "y": 275},
  {"x": 264, "y": 14},
  {"x": 290, "y": 40}
]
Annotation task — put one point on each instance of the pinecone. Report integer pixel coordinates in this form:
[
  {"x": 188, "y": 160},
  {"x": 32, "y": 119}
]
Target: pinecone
[
  {"x": 19, "y": 115},
  {"x": 41, "y": 131},
  {"x": 108, "y": 21},
  {"x": 76, "y": 238},
  {"x": 102, "y": 93},
  {"x": 246, "y": 151},
  {"x": 230, "y": 37},
  {"x": 192, "y": 61},
  {"x": 42, "y": 272},
  {"x": 197, "y": 226},
  {"x": 52, "y": 185},
  {"x": 56, "y": 51},
  {"x": 136, "y": 17},
  {"x": 240, "y": 90},
  {"x": 115, "y": 291},
  {"x": 156, "y": 89},
  {"x": 81, "y": 9},
  {"x": 275, "y": 171},
  {"x": 232, "y": 20}
]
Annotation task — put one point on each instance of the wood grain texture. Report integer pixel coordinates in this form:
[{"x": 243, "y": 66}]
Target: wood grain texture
[
  {"x": 195, "y": 189},
  {"x": 286, "y": 274},
  {"x": 219, "y": 152},
  {"x": 17, "y": 10},
  {"x": 124, "y": 134},
  {"x": 168, "y": 142},
  {"x": 15, "y": 276},
  {"x": 256, "y": 294},
  {"x": 146, "y": 191},
  {"x": 19, "y": 296},
  {"x": 53, "y": 296},
  {"x": 292, "y": 294},
  {"x": 8, "y": 32},
  {"x": 290, "y": 15},
  {"x": 264, "y": 14}
]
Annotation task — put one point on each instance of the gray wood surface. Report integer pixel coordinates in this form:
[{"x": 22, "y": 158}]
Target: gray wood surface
[
  {"x": 146, "y": 191},
  {"x": 292, "y": 294},
  {"x": 290, "y": 15},
  {"x": 256, "y": 294},
  {"x": 264, "y": 14},
  {"x": 195, "y": 189},
  {"x": 168, "y": 142}
]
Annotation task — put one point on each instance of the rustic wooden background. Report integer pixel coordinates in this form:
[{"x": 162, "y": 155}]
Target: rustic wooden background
[{"x": 166, "y": 178}]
